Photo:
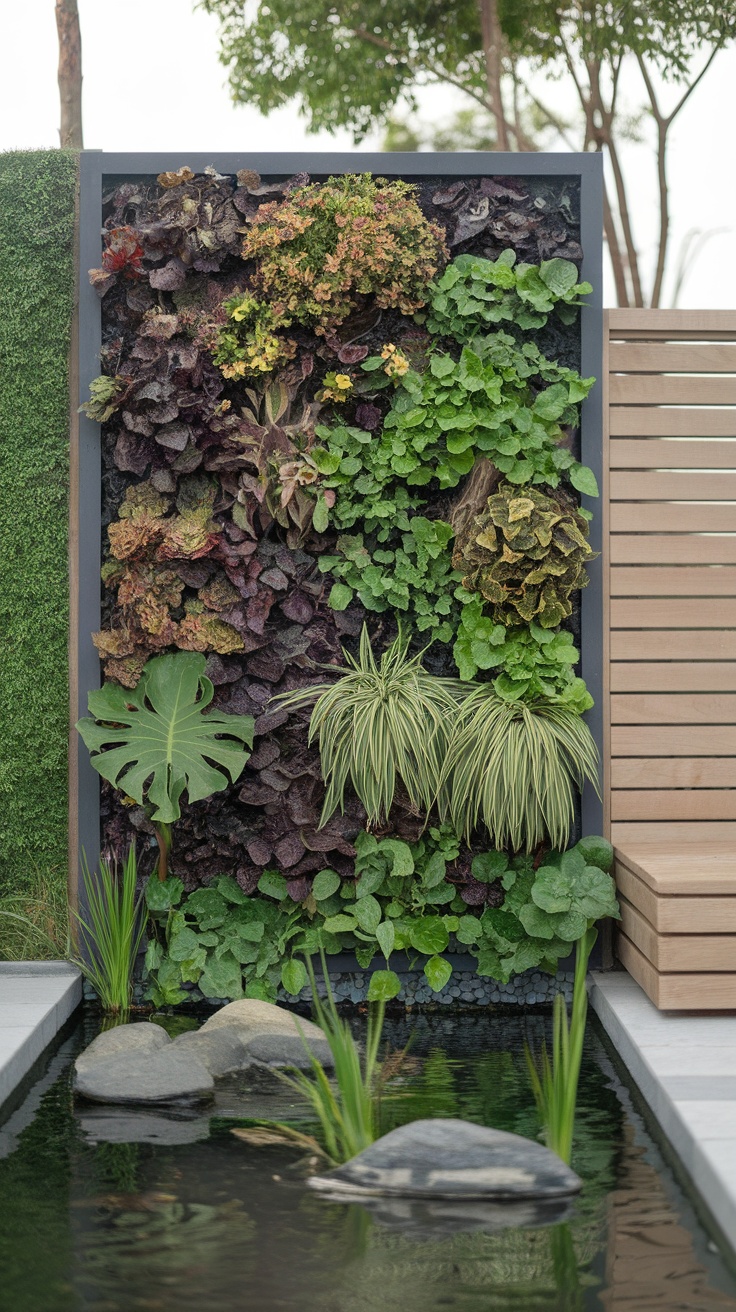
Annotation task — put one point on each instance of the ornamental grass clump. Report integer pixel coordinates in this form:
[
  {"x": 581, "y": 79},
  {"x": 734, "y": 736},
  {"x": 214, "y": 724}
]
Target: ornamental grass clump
[
  {"x": 526, "y": 555},
  {"x": 348, "y": 1107},
  {"x": 555, "y": 1079},
  {"x": 516, "y": 767},
  {"x": 111, "y": 931},
  {"x": 381, "y": 722}
]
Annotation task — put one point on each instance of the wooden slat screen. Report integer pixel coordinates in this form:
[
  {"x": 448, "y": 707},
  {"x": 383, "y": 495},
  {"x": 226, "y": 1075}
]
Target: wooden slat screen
[{"x": 670, "y": 576}]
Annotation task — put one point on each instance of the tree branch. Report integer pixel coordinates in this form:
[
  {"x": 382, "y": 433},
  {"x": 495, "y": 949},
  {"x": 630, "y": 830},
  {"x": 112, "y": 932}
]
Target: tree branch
[
  {"x": 491, "y": 38},
  {"x": 69, "y": 74}
]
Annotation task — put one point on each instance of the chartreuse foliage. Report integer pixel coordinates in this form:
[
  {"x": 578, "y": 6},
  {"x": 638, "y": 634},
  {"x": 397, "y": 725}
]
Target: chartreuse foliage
[
  {"x": 517, "y": 767},
  {"x": 316, "y": 254},
  {"x": 382, "y": 722},
  {"x": 404, "y": 898},
  {"x": 482, "y": 403},
  {"x": 526, "y": 555},
  {"x": 534, "y": 662},
  {"x": 37, "y": 193}
]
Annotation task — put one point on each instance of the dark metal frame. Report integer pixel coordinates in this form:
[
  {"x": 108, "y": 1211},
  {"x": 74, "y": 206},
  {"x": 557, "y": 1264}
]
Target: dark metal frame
[{"x": 95, "y": 169}]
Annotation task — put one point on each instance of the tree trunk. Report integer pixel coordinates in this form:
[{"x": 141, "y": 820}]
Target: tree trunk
[
  {"x": 70, "y": 74},
  {"x": 491, "y": 36}
]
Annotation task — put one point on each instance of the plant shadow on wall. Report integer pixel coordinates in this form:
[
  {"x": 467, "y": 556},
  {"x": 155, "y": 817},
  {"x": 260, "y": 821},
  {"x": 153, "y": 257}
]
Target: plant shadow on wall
[{"x": 341, "y": 481}]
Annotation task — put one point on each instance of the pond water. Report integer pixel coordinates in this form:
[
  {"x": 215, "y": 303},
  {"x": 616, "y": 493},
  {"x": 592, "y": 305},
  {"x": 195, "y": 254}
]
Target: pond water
[{"x": 90, "y": 1224}]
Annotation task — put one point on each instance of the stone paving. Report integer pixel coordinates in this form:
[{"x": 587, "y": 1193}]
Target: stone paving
[
  {"x": 36, "y": 1000},
  {"x": 684, "y": 1065}
]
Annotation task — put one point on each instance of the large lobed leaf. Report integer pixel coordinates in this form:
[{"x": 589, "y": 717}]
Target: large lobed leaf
[{"x": 155, "y": 741}]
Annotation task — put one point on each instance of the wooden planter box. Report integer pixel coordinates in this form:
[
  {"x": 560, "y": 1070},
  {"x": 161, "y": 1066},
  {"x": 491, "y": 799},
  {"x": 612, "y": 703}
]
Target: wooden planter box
[{"x": 677, "y": 935}]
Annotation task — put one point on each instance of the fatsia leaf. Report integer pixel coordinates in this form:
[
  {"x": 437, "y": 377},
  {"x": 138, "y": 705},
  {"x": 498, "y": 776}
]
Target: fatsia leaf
[{"x": 154, "y": 741}]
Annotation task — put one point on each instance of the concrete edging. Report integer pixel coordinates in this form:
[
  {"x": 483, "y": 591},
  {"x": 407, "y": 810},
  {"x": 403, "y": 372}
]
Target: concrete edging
[
  {"x": 684, "y": 1065},
  {"x": 36, "y": 1000}
]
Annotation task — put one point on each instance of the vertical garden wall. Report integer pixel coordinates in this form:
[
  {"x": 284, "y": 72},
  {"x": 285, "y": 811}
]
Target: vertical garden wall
[
  {"x": 339, "y": 412},
  {"x": 37, "y": 204}
]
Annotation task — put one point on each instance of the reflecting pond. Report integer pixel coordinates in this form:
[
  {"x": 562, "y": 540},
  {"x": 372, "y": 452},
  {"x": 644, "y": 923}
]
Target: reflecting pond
[{"x": 93, "y": 1221}]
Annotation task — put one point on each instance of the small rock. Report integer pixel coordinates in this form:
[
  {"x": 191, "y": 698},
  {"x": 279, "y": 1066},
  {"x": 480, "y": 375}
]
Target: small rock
[
  {"x": 451, "y": 1159},
  {"x": 164, "y": 1076}
]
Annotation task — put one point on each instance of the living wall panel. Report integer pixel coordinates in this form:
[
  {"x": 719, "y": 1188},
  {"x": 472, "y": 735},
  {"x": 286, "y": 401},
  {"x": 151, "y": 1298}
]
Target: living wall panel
[{"x": 100, "y": 486}]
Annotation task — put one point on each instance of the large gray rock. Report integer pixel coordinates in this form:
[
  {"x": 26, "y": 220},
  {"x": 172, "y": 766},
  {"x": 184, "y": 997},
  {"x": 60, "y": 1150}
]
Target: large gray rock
[
  {"x": 270, "y": 1035},
  {"x": 166, "y": 1075},
  {"x": 140, "y": 1037},
  {"x": 451, "y": 1159},
  {"x": 222, "y": 1050}
]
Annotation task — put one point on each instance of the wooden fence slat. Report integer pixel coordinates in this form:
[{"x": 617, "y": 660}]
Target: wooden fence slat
[
  {"x": 699, "y": 322},
  {"x": 678, "y": 772},
  {"x": 669, "y": 613},
  {"x": 662, "y": 517},
  {"x": 673, "y": 676},
  {"x": 686, "y": 645},
  {"x": 674, "y": 549},
  {"x": 668, "y": 357},
  {"x": 673, "y": 740},
  {"x": 673, "y": 581},
  {"x": 666, "y": 486},
  {"x": 672, "y": 833},
  {"x": 663, "y": 453},
  {"x": 693, "y": 708},
  {"x": 671, "y": 389},
  {"x": 640, "y": 421},
  {"x": 674, "y": 804}
]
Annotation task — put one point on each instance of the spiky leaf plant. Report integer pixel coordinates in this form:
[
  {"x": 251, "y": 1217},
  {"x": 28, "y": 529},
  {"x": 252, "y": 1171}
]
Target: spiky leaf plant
[
  {"x": 381, "y": 722},
  {"x": 516, "y": 768},
  {"x": 111, "y": 931}
]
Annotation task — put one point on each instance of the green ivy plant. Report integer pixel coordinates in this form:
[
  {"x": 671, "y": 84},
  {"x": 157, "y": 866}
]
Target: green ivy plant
[
  {"x": 231, "y": 945},
  {"x": 488, "y": 402},
  {"x": 474, "y": 293},
  {"x": 534, "y": 662},
  {"x": 411, "y": 575}
]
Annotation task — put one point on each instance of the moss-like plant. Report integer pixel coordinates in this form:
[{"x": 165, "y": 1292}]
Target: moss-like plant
[
  {"x": 317, "y": 254},
  {"x": 381, "y": 722},
  {"x": 516, "y": 768},
  {"x": 525, "y": 554}
]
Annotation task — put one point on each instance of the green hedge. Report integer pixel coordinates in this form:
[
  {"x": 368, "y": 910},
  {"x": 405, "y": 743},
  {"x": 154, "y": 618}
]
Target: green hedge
[{"x": 37, "y": 195}]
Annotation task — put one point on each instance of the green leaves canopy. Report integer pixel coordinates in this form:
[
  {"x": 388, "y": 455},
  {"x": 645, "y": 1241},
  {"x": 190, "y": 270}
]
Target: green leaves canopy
[
  {"x": 348, "y": 62},
  {"x": 154, "y": 742}
]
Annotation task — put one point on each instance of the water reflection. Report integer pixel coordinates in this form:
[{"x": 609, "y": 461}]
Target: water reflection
[{"x": 96, "y": 1222}]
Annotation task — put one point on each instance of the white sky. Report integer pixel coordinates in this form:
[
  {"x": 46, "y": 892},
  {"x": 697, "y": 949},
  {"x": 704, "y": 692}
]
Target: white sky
[{"x": 152, "y": 81}]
